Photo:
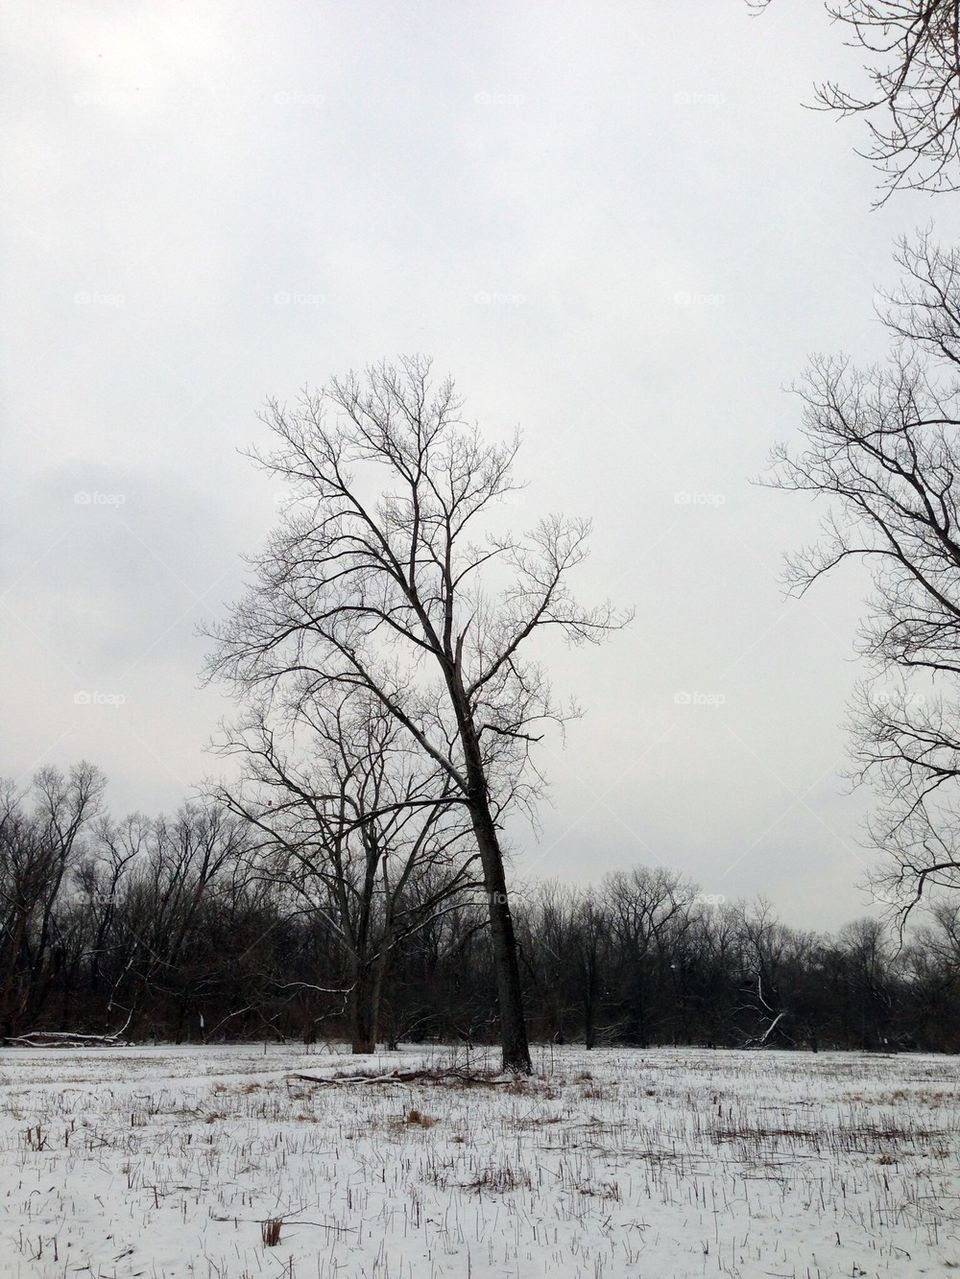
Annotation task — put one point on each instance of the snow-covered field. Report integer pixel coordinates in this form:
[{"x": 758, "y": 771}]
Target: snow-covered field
[{"x": 668, "y": 1163}]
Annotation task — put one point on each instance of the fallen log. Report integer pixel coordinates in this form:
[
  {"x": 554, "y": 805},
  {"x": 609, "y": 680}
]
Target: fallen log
[
  {"x": 63, "y": 1039},
  {"x": 406, "y": 1077}
]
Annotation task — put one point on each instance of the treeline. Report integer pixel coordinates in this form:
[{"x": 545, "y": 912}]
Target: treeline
[{"x": 177, "y": 929}]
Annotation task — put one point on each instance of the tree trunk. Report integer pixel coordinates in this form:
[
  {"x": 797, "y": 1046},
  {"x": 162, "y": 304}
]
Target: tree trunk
[
  {"x": 589, "y": 1010},
  {"x": 513, "y": 1028},
  {"x": 636, "y": 1028},
  {"x": 515, "y": 1050},
  {"x": 365, "y": 1008}
]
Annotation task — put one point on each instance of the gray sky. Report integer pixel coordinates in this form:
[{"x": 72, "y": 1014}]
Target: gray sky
[{"x": 615, "y": 224}]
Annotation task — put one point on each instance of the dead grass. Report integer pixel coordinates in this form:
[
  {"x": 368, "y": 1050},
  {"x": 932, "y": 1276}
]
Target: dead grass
[
  {"x": 418, "y": 1119},
  {"x": 270, "y": 1231},
  {"x": 500, "y": 1179},
  {"x": 759, "y": 1154}
]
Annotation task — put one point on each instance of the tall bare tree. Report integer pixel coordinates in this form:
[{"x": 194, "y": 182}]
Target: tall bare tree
[
  {"x": 387, "y": 574},
  {"x": 912, "y": 103},
  {"x": 881, "y": 446}
]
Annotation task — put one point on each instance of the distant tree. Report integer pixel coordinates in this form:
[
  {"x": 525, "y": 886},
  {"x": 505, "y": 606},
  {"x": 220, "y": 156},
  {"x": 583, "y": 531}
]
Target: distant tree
[
  {"x": 380, "y": 577},
  {"x": 866, "y": 949},
  {"x": 592, "y": 960},
  {"x": 356, "y": 827},
  {"x": 648, "y": 911},
  {"x": 714, "y": 982},
  {"x": 176, "y": 866},
  {"x": 100, "y": 884},
  {"x": 931, "y": 961},
  {"x": 41, "y": 840},
  {"x": 550, "y": 930},
  {"x": 882, "y": 448},
  {"x": 766, "y": 1012}
]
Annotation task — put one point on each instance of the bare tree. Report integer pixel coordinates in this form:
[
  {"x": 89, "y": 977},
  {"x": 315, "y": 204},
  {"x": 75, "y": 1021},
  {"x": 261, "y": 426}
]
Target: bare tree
[
  {"x": 912, "y": 105},
  {"x": 41, "y": 834},
  {"x": 175, "y": 865},
  {"x": 550, "y": 932},
  {"x": 648, "y": 910},
  {"x": 881, "y": 446},
  {"x": 766, "y": 947},
  {"x": 591, "y": 959},
  {"x": 865, "y": 946},
  {"x": 358, "y": 826},
  {"x": 101, "y": 881},
  {"x": 381, "y": 578}
]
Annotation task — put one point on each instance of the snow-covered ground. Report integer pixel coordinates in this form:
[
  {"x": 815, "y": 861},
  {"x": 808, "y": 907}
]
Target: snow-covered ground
[{"x": 661, "y": 1164}]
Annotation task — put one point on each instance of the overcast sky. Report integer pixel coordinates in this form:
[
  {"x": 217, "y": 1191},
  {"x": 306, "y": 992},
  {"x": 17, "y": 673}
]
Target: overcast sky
[{"x": 615, "y": 224}]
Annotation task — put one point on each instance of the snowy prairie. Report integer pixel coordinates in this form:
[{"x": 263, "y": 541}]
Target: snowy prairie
[{"x": 172, "y": 1161}]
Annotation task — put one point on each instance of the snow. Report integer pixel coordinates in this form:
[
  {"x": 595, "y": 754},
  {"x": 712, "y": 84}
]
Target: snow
[{"x": 666, "y": 1163}]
